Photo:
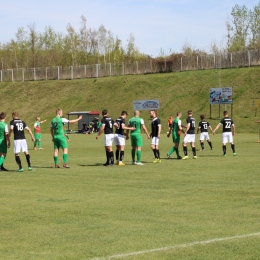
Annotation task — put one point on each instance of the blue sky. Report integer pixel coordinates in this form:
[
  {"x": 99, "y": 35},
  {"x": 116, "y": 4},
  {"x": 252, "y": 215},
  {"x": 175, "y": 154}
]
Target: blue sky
[{"x": 155, "y": 24}]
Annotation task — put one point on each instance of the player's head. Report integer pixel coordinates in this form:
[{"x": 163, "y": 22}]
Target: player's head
[
  {"x": 152, "y": 113},
  {"x": 2, "y": 115},
  {"x": 59, "y": 112},
  {"x": 15, "y": 114},
  {"x": 124, "y": 114},
  {"x": 137, "y": 113},
  {"x": 38, "y": 118},
  {"x": 225, "y": 113},
  {"x": 178, "y": 114},
  {"x": 202, "y": 117},
  {"x": 104, "y": 112},
  {"x": 189, "y": 112}
]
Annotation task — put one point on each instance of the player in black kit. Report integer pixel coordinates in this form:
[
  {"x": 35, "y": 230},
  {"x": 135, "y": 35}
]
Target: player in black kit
[
  {"x": 107, "y": 128},
  {"x": 227, "y": 134},
  {"x": 204, "y": 135},
  {"x": 189, "y": 136},
  {"x": 17, "y": 126},
  {"x": 119, "y": 137},
  {"x": 155, "y": 135}
]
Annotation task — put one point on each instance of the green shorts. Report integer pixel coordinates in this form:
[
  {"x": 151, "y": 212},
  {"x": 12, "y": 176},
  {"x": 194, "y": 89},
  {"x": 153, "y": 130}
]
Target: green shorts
[
  {"x": 38, "y": 137},
  {"x": 176, "y": 138},
  {"x": 60, "y": 142},
  {"x": 137, "y": 140},
  {"x": 3, "y": 146}
]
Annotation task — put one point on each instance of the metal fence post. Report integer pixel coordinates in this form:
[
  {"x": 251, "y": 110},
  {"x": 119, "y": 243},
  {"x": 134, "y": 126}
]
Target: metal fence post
[
  {"x": 123, "y": 69},
  {"x": 34, "y": 76},
  {"x": 58, "y": 72},
  {"x": 71, "y": 72},
  {"x": 137, "y": 68},
  {"x": 249, "y": 58},
  {"x": 181, "y": 63},
  {"x": 110, "y": 69},
  {"x": 46, "y": 73},
  {"x": 96, "y": 70},
  {"x": 231, "y": 59},
  {"x": 1, "y": 76},
  {"x": 23, "y": 74}
]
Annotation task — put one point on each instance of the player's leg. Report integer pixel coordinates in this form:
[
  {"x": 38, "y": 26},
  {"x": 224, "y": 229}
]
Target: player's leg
[
  {"x": 35, "y": 142},
  {"x": 230, "y": 140},
  {"x": 116, "y": 141},
  {"x": 224, "y": 143},
  {"x": 56, "y": 145},
  {"x": 139, "y": 144},
  {"x": 134, "y": 147},
  {"x": 121, "y": 149},
  {"x": 153, "y": 147},
  {"x": 173, "y": 147},
  {"x": 40, "y": 141},
  {"x": 193, "y": 148},
  {"x": 184, "y": 145},
  {"x": 176, "y": 146},
  {"x": 202, "y": 138},
  {"x": 24, "y": 148},
  {"x": 3, "y": 152},
  {"x": 17, "y": 149}
]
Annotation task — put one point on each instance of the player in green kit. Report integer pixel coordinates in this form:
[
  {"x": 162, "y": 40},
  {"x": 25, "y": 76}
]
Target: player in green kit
[
  {"x": 4, "y": 140},
  {"x": 58, "y": 138},
  {"x": 37, "y": 133},
  {"x": 136, "y": 137},
  {"x": 175, "y": 129}
]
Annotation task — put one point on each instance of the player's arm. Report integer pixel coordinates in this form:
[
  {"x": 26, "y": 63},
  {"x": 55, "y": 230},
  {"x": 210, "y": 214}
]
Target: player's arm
[
  {"x": 211, "y": 129},
  {"x": 30, "y": 132},
  {"x": 198, "y": 130},
  {"x": 35, "y": 126},
  {"x": 216, "y": 128},
  {"x": 128, "y": 127},
  {"x": 187, "y": 128},
  {"x": 170, "y": 131},
  {"x": 145, "y": 130},
  {"x": 75, "y": 120},
  {"x": 11, "y": 130},
  {"x": 159, "y": 130},
  {"x": 52, "y": 132},
  {"x": 43, "y": 121},
  {"x": 234, "y": 129},
  {"x": 101, "y": 130},
  {"x": 7, "y": 137}
]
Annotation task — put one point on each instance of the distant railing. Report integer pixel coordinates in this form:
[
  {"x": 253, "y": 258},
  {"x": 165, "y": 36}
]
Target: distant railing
[{"x": 180, "y": 63}]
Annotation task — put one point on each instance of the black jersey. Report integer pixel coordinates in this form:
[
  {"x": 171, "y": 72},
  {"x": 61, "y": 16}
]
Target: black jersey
[
  {"x": 108, "y": 122},
  {"x": 191, "y": 121},
  {"x": 227, "y": 124},
  {"x": 155, "y": 126},
  {"x": 120, "y": 121},
  {"x": 18, "y": 127},
  {"x": 204, "y": 126}
]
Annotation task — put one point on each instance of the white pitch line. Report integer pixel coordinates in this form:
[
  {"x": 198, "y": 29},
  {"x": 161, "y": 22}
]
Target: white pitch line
[{"x": 175, "y": 247}]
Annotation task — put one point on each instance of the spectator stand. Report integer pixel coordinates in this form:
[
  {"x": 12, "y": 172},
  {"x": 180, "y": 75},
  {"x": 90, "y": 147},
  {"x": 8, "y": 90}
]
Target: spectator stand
[{"x": 90, "y": 117}]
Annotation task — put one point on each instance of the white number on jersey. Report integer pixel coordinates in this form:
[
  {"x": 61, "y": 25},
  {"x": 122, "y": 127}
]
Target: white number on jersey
[
  {"x": 19, "y": 126},
  {"x": 228, "y": 124}
]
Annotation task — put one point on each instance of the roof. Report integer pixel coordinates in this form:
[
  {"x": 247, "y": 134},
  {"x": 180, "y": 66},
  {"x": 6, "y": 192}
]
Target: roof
[{"x": 93, "y": 112}]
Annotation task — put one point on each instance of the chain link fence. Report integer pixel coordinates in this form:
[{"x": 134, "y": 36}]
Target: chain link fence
[{"x": 175, "y": 63}]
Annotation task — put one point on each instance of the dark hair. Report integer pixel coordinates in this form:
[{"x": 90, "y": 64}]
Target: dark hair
[
  {"x": 202, "y": 117},
  {"x": 189, "y": 112},
  {"x": 124, "y": 113},
  {"x": 225, "y": 113},
  {"x": 104, "y": 112},
  {"x": 2, "y": 115}
]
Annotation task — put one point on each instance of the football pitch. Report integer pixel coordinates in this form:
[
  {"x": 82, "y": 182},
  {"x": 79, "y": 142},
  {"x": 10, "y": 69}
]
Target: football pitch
[{"x": 208, "y": 208}]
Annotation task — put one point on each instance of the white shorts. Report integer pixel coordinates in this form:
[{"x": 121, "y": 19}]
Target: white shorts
[
  {"x": 108, "y": 139},
  {"x": 20, "y": 145},
  {"x": 204, "y": 136},
  {"x": 227, "y": 137},
  {"x": 119, "y": 140},
  {"x": 189, "y": 138},
  {"x": 155, "y": 141}
]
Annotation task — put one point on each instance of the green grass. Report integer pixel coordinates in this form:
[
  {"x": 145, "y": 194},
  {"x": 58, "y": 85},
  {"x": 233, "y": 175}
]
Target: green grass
[
  {"x": 90, "y": 211},
  {"x": 176, "y": 91}
]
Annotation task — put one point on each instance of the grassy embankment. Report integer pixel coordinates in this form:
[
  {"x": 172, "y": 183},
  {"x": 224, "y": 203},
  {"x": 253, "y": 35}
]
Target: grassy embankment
[{"x": 177, "y": 92}]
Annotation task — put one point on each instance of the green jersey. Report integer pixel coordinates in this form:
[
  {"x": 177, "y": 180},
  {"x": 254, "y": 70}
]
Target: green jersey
[
  {"x": 175, "y": 126},
  {"x": 57, "y": 125},
  {"x": 3, "y": 130},
  {"x": 136, "y": 122}
]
